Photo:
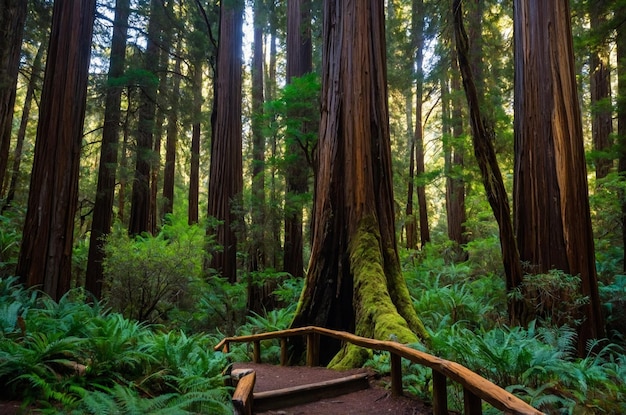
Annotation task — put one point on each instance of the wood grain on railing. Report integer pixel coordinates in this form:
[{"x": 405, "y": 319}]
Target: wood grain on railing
[{"x": 475, "y": 387}]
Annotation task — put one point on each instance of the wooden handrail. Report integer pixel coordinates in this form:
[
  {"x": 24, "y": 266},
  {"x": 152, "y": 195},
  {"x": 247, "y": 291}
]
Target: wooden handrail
[{"x": 474, "y": 385}]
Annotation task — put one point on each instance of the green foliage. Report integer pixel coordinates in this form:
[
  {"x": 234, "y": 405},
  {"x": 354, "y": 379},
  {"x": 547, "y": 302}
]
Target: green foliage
[
  {"x": 74, "y": 357},
  {"x": 554, "y": 295},
  {"x": 10, "y": 238},
  {"x": 147, "y": 276},
  {"x": 274, "y": 320}
]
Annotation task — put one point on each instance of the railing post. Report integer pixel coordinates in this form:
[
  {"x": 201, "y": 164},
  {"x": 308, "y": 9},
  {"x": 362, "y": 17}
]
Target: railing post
[
  {"x": 312, "y": 349},
  {"x": 256, "y": 350},
  {"x": 283, "y": 351},
  {"x": 396, "y": 374},
  {"x": 472, "y": 404},
  {"x": 440, "y": 394}
]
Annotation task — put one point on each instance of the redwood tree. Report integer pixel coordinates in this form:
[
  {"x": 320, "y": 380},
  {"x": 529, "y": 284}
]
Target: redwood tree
[
  {"x": 226, "y": 171},
  {"x": 105, "y": 192},
  {"x": 354, "y": 280},
  {"x": 299, "y": 63},
  {"x": 12, "y": 18},
  {"x": 552, "y": 219},
  {"x": 45, "y": 257}
]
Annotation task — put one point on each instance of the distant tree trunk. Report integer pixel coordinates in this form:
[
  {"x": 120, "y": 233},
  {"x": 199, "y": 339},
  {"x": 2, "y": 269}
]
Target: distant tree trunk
[
  {"x": 105, "y": 192},
  {"x": 482, "y": 138},
  {"x": 121, "y": 194},
  {"x": 602, "y": 114},
  {"x": 12, "y": 18},
  {"x": 45, "y": 258},
  {"x": 172, "y": 137},
  {"x": 259, "y": 299},
  {"x": 354, "y": 282},
  {"x": 194, "y": 175},
  {"x": 455, "y": 183},
  {"x": 551, "y": 198},
  {"x": 273, "y": 252},
  {"x": 226, "y": 172},
  {"x": 299, "y": 63},
  {"x": 417, "y": 143},
  {"x": 140, "y": 200},
  {"x": 621, "y": 119},
  {"x": 21, "y": 134}
]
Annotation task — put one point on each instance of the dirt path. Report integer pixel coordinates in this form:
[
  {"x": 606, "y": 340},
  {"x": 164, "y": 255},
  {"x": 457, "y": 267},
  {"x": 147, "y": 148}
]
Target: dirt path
[{"x": 375, "y": 400}]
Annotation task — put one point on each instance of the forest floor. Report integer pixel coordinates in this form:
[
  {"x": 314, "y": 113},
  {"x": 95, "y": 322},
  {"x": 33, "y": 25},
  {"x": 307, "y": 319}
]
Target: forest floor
[{"x": 377, "y": 399}]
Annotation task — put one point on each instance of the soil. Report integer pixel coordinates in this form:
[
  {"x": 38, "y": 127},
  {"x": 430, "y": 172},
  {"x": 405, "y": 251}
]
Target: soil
[{"x": 377, "y": 399}]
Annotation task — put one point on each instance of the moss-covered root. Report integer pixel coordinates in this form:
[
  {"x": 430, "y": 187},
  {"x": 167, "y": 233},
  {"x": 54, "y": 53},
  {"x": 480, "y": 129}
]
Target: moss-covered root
[{"x": 375, "y": 313}]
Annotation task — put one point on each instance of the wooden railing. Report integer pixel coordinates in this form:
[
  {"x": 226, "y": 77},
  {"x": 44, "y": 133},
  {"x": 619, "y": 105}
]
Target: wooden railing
[{"x": 475, "y": 388}]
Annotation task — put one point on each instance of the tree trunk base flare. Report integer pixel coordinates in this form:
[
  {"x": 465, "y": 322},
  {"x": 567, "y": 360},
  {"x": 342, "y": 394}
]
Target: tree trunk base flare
[{"x": 382, "y": 305}]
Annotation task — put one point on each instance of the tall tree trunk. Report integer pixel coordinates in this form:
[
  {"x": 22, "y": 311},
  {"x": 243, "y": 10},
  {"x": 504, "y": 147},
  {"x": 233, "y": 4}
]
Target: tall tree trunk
[
  {"x": 354, "y": 282},
  {"x": 551, "y": 198},
  {"x": 105, "y": 191},
  {"x": 602, "y": 114},
  {"x": 299, "y": 63},
  {"x": 482, "y": 138},
  {"x": 621, "y": 118},
  {"x": 455, "y": 183},
  {"x": 194, "y": 174},
  {"x": 140, "y": 200},
  {"x": 259, "y": 299},
  {"x": 172, "y": 137},
  {"x": 418, "y": 44},
  {"x": 21, "y": 134},
  {"x": 45, "y": 257},
  {"x": 12, "y": 18},
  {"x": 226, "y": 172}
]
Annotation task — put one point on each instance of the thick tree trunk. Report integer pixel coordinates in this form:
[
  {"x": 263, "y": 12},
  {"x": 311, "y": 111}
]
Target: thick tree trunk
[
  {"x": 45, "y": 258},
  {"x": 354, "y": 282},
  {"x": 105, "y": 191},
  {"x": 482, "y": 138},
  {"x": 226, "y": 172},
  {"x": 12, "y": 18},
  {"x": 551, "y": 198}
]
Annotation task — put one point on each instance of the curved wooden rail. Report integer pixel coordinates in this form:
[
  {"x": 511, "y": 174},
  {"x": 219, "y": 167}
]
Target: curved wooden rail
[{"x": 475, "y": 388}]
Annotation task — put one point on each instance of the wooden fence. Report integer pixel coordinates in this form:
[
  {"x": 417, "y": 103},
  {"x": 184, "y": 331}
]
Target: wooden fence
[{"x": 475, "y": 388}]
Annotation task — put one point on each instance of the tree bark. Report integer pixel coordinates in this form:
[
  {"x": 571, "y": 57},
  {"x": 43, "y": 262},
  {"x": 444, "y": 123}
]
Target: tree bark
[
  {"x": 105, "y": 191},
  {"x": 551, "y": 199},
  {"x": 194, "y": 173},
  {"x": 354, "y": 282},
  {"x": 299, "y": 63},
  {"x": 140, "y": 198},
  {"x": 21, "y": 134},
  {"x": 259, "y": 295},
  {"x": 602, "y": 113},
  {"x": 226, "y": 172},
  {"x": 45, "y": 258},
  {"x": 172, "y": 137},
  {"x": 482, "y": 138},
  {"x": 12, "y": 19}
]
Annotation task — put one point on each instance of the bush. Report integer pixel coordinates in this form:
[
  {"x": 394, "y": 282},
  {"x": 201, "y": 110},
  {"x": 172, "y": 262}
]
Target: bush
[{"x": 148, "y": 276}]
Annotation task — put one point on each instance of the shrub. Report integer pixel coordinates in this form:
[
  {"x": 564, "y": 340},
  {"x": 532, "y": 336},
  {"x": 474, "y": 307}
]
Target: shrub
[{"x": 147, "y": 276}]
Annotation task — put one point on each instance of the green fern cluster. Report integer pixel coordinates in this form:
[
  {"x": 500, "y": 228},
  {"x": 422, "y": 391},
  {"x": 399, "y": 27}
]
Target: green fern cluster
[
  {"x": 74, "y": 357},
  {"x": 465, "y": 314}
]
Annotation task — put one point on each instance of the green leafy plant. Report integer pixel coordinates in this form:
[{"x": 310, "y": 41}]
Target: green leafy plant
[{"x": 148, "y": 276}]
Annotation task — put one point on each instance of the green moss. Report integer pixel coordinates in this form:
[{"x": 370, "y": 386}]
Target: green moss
[
  {"x": 349, "y": 357},
  {"x": 376, "y": 313}
]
